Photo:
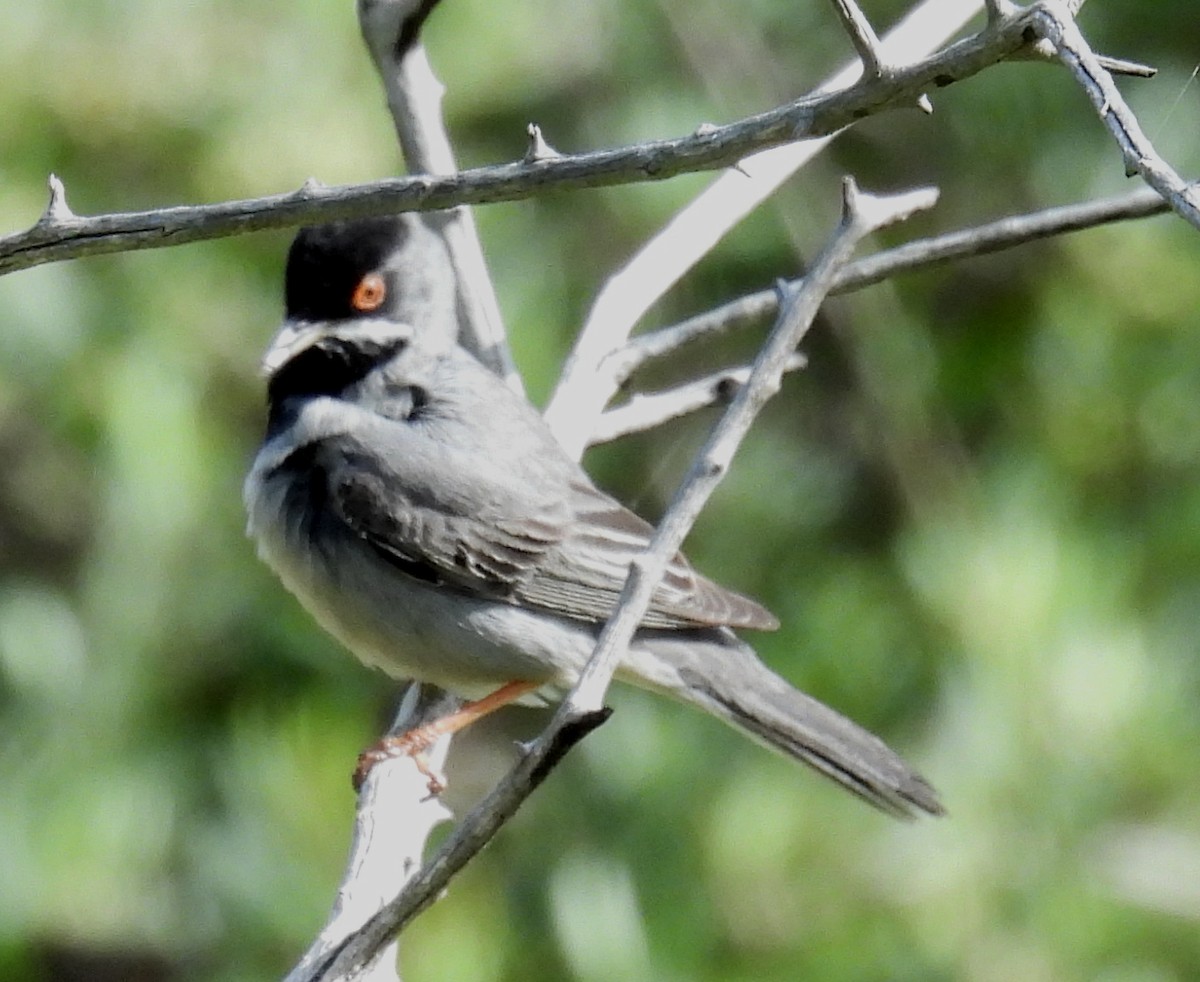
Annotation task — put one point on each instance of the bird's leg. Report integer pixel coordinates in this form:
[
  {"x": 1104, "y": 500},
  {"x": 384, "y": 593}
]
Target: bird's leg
[{"x": 415, "y": 742}]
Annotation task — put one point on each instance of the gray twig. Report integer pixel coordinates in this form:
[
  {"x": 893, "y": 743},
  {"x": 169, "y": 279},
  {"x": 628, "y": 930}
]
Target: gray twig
[
  {"x": 862, "y": 36},
  {"x": 1004, "y": 233},
  {"x": 583, "y": 390},
  {"x": 394, "y": 817},
  {"x": 707, "y": 149},
  {"x": 646, "y": 410},
  {"x": 414, "y": 96},
  {"x": 357, "y": 950},
  {"x": 395, "y": 813},
  {"x": 1053, "y": 20}
]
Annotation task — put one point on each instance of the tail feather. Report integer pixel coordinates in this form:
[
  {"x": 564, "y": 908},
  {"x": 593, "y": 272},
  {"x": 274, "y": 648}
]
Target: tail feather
[{"x": 726, "y": 679}]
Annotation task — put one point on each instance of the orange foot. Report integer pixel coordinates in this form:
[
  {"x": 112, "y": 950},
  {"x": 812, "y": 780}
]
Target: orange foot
[{"x": 416, "y": 742}]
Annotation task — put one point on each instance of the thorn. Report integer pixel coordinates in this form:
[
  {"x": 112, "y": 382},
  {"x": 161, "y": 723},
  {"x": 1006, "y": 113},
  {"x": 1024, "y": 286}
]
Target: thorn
[
  {"x": 422, "y": 184},
  {"x": 704, "y": 129},
  {"x": 538, "y": 149},
  {"x": 850, "y": 197},
  {"x": 740, "y": 169},
  {"x": 998, "y": 10},
  {"x": 57, "y": 209},
  {"x": 310, "y": 186},
  {"x": 1120, "y": 66},
  {"x": 924, "y": 104}
]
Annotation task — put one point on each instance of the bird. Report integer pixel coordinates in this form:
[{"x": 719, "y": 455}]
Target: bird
[{"x": 427, "y": 517}]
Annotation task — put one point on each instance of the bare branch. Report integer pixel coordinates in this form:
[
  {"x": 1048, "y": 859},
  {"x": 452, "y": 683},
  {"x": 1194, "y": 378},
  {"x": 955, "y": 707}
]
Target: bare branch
[
  {"x": 998, "y": 10},
  {"x": 414, "y": 96},
  {"x": 394, "y": 817},
  {"x": 862, "y": 36},
  {"x": 1004, "y": 233},
  {"x": 646, "y": 410},
  {"x": 1053, "y": 21},
  {"x": 350, "y": 958},
  {"x": 583, "y": 388},
  {"x": 453, "y": 297},
  {"x": 862, "y": 215},
  {"x": 707, "y": 149}
]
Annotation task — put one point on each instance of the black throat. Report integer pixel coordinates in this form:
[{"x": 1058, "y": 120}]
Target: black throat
[{"x": 326, "y": 368}]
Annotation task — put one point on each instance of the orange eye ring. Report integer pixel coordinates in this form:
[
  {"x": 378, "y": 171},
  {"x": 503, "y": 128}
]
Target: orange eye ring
[{"x": 369, "y": 294}]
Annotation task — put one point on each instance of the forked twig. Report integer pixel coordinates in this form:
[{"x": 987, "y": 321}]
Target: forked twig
[
  {"x": 710, "y": 148},
  {"x": 1004, "y": 233},
  {"x": 584, "y": 387},
  {"x": 390, "y": 29},
  {"x": 1054, "y": 21}
]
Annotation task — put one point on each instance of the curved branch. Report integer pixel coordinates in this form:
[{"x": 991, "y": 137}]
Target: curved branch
[
  {"x": 1054, "y": 21},
  {"x": 390, "y": 29},
  {"x": 392, "y": 823},
  {"x": 646, "y": 410},
  {"x": 583, "y": 389},
  {"x": 1004, "y": 233}
]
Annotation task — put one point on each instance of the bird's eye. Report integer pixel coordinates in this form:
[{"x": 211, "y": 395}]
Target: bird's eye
[{"x": 369, "y": 294}]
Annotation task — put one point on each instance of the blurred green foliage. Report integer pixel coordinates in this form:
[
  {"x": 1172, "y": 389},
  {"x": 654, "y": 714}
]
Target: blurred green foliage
[{"x": 977, "y": 514}]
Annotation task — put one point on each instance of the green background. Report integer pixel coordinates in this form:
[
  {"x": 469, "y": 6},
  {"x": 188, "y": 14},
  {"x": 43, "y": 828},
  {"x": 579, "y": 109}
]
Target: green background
[{"x": 977, "y": 515}]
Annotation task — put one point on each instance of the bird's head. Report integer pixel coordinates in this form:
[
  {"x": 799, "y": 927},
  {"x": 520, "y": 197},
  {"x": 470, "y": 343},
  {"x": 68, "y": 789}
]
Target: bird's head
[{"x": 342, "y": 317}]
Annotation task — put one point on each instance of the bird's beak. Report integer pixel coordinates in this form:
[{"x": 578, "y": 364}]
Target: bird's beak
[{"x": 292, "y": 338}]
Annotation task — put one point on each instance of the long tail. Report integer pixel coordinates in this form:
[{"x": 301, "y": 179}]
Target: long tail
[{"x": 722, "y": 675}]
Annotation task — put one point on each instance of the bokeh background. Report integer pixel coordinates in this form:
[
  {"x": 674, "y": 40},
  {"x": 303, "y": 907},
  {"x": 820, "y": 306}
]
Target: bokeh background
[{"x": 977, "y": 515}]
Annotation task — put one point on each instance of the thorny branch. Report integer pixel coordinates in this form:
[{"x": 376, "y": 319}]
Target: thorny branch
[
  {"x": 60, "y": 235},
  {"x": 1004, "y": 233},
  {"x": 581, "y": 394},
  {"x": 394, "y": 814},
  {"x": 394, "y": 817},
  {"x": 1052, "y": 19},
  {"x": 414, "y": 96},
  {"x": 647, "y": 410}
]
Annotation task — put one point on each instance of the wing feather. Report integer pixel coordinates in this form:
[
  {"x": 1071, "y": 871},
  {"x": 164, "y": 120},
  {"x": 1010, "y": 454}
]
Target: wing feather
[
  {"x": 587, "y": 569},
  {"x": 568, "y": 553}
]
